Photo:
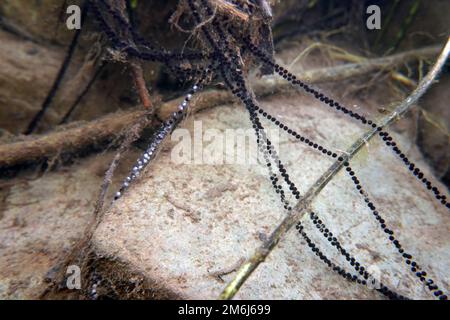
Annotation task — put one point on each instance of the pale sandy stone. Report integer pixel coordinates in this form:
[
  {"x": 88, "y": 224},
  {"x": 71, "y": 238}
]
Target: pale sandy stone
[
  {"x": 182, "y": 224},
  {"x": 41, "y": 219}
]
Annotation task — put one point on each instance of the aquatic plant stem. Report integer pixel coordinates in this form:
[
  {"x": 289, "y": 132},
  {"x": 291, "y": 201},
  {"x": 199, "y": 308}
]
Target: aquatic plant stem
[{"x": 301, "y": 208}]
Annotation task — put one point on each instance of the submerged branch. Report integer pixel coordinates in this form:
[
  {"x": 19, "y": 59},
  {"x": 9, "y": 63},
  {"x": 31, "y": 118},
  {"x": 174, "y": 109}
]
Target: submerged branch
[
  {"x": 73, "y": 138},
  {"x": 270, "y": 84},
  {"x": 302, "y": 206}
]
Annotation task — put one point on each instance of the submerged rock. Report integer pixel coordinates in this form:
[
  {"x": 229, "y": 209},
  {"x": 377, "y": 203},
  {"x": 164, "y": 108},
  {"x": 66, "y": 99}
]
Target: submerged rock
[{"x": 185, "y": 228}]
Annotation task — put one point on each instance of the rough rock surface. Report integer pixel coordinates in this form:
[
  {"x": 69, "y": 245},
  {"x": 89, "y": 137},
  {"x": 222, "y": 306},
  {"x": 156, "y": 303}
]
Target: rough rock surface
[
  {"x": 433, "y": 128},
  {"x": 186, "y": 227},
  {"x": 23, "y": 67},
  {"x": 40, "y": 20},
  {"x": 41, "y": 218},
  {"x": 27, "y": 72}
]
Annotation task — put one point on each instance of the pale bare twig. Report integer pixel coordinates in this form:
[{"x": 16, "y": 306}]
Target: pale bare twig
[{"x": 303, "y": 205}]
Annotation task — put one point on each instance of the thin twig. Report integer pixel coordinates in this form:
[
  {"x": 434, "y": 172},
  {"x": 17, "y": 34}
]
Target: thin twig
[
  {"x": 83, "y": 93},
  {"x": 130, "y": 137},
  {"x": 303, "y": 205},
  {"x": 136, "y": 65},
  {"x": 139, "y": 81},
  {"x": 61, "y": 73}
]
